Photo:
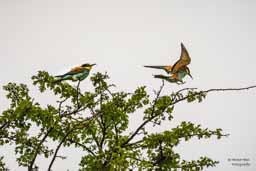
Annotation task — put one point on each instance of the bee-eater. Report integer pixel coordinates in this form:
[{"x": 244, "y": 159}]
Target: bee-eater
[
  {"x": 76, "y": 73},
  {"x": 179, "y": 70},
  {"x": 183, "y": 61},
  {"x": 176, "y": 77}
]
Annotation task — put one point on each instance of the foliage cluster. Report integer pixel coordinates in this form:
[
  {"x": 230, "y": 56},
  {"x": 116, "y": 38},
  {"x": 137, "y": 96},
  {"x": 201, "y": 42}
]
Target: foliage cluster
[{"x": 97, "y": 122}]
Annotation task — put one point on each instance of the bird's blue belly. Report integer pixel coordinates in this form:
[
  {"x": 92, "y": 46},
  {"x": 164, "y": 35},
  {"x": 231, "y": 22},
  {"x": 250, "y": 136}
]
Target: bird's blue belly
[
  {"x": 80, "y": 76},
  {"x": 181, "y": 75}
]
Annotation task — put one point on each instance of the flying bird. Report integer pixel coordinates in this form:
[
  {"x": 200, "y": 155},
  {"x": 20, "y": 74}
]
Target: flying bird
[
  {"x": 177, "y": 71},
  {"x": 176, "y": 77},
  {"x": 78, "y": 73},
  {"x": 183, "y": 61}
]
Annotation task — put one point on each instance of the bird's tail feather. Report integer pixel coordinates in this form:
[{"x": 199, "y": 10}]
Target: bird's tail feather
[
  {"x": 155, "y": 67},
  {"x": 167, "y": 78},
  {"x": 161, "y": 76},
  {"x": 58, "y": 79}
]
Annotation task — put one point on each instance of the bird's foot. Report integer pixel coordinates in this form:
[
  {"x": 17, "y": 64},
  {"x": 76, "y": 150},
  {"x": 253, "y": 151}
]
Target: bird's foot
[{"x": 180, "y": 82}]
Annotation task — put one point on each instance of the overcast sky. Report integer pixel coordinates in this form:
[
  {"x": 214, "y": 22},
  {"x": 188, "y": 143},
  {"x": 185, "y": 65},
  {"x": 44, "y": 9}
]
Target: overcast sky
[{"x": 122, "y": 36}]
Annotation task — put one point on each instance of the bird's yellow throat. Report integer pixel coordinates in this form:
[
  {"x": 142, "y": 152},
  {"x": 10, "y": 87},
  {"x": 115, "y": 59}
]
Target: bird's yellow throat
[{"x": 89, "y": 67}]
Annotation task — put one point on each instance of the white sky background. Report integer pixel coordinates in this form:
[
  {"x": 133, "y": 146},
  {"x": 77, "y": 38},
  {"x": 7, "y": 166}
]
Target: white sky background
[{"x": 122, "y": 36}]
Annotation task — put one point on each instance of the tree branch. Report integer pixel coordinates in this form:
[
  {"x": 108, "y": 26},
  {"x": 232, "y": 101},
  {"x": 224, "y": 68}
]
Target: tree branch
[
  {"x": 213, "y": 90},
  {"x": 30, "y": 168},
  {"x": 179, "y": 100},
  {"x": 4, "y": 125},
  {"x": 60, "y": 105},
  {"x": 77, "y": 96},
  {"x": 57, "y": 149},
  {"x": 229, "y": 89},
  {"x": 102, "y": 127},
  {"x": 67, "y": 134},
  {"x": 82, "y": 145},
  {"x": 146, "y": 121},
  {"x": 184, "y": 89}
]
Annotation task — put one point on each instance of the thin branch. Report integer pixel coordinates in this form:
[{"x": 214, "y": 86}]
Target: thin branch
[
  {"x": 74, "y": 111},
  {"x": 179, "y": 100},
  {"x": 102, "y": 122},
  {"x": 178, "y": 93},
  {"x": 229, "y": 89},
  {"x": 155, "y": 122},
  {"x": 102, "y": 126},
  {"x": 134, "y": 143},
  {"x": 106, "y": 163},
  {"x": 67, "y": 134},
  {"x": 146, "y": 121},
  {"x": 141, "y": 141},
  {"x": 57, "y": 149},
  {"x": 77, "y": 110},
  {"x": 4, "y": 125},
  {"x": 30, "y": 168},
  {"x": 77, "y": 96},
  {"x": 103, "y": 136},
  {"x": 82, "y": 145},
  {"x": 185, "y": 89},
  {"x": 213, "y": 90},
  {"x": 116, "y": 134},
  {"x": 196, "y": 134},
  {"x": 12, "y": 138},
  {"x": 96, "y": 140},
  {"x": 161, "y": 157},
  {"x": 60, "y": 104},
  {"x": 61, "y": 157},
  {"x": 140, "y": 160}
]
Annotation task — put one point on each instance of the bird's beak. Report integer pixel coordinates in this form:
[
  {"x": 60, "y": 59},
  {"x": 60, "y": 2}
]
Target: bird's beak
[
  {"x": 93, "y": 64},
  {"x": 188, "y": 72},
  {"x": 190, "y": 76}
]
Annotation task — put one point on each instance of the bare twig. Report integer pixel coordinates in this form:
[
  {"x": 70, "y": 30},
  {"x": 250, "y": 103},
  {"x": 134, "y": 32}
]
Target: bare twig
[
  {"x": 212, "y": 90},
  {"x": 229, "y": 89}
]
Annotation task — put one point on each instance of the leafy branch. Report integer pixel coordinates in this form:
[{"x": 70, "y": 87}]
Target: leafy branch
[{"x": 97, "y": 122}]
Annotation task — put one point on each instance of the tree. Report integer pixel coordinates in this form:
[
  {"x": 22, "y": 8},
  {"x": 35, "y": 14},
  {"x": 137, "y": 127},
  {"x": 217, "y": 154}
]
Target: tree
[{"x": 97, "y": 123}]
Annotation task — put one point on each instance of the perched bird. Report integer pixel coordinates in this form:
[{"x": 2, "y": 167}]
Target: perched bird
[
  {"x": 179, "y": 70},
  {"x": 75, "y": 74}
]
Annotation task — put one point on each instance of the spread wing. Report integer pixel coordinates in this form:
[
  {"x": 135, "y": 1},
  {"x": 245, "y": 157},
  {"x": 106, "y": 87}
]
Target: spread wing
[
  {"x": 168, "y": 68},
  {"x": 183, "y": 61}
]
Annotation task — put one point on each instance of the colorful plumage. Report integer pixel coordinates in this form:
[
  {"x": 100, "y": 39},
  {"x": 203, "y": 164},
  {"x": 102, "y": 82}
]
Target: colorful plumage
[
  {"x": 183, "y": 61},
  {"x": 178, "y": 71},
  {"x": 176, "y": 77},
  {"x": 78, "y": 73},
  {"x": 166, "y": 68}
]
